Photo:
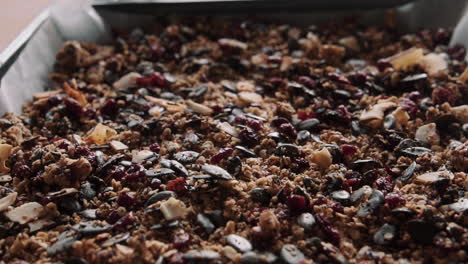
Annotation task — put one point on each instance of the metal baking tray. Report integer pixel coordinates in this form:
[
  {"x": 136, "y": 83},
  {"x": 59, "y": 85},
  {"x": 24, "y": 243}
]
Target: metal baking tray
[{"x": 26, "y": 63}]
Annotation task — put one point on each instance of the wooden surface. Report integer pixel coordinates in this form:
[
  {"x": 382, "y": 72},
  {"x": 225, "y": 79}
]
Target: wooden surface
[{"x": 15, "y": 15}]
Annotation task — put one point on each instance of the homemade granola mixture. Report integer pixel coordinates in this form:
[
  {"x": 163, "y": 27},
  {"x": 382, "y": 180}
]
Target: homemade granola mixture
[{"x": 206, "y": 141}]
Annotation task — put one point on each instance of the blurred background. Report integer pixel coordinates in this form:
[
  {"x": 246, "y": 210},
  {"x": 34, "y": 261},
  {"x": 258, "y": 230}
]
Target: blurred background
[{"x": 15, "y": 15}]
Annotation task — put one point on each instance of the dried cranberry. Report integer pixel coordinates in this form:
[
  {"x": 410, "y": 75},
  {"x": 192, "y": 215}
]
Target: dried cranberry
[
  {"x": 73, "y": 108},
  {"x": 328, "y": 228},
  {"x": 382, "y": 64},
  {"x": 442, "y": 95},
  {"x": 124, "y": 221},
  {"x": 394, "y": 200},
  {"x": 135, "y": 172},
  {"x": 109, "y": 108},
  {"x": 156, "y": 79},
  {"x": 279, "y": 121},
  {"x": 64, "y": 144},
  {"x": 113, "y": 217},
  {"x": 126, "y": 199},
  {"x": 338, "y": 78},
  {"x": 277, "y": 82},
  {"x": 54, "y": 100},
  {"x": 307, "y": 81},
  {"x": 155, "y": 147},
  {"x": 348, "y": 150},
  {"x": 288, "y": 130},
  {"x": 180, "y": 239},
  {"x": 248, "y": 136},
  {"x": 157, "y": 52},
  {"x": 117, "y": 172},
  {"x": 358, "y": 78},
  {"x": 221, "y": 155},
  {"x": 457, "y": 52},
  {"x": 409, "y": 106},
  {"x": 178, "y": 185},
  {"x": 351, "y": 184},
  {"x": 217, "y": 109},
  {"x": 86, "y": 153},
  {"x": 254, "y": 124},
  {"x": 89, "y": 113},
  {"x": 337, "y": 207},
  {"x": 240, "y": 119},
  {"x": 301, "y": 163},
  {"x": 275, "y": 59},
  {"x": 302, "y": 115},
  {"x": 384, "y": 184},
  {"x": 296, "y": 204},
  {"x": 21, "y": 170},
  {"x": 441, "y": 36}
]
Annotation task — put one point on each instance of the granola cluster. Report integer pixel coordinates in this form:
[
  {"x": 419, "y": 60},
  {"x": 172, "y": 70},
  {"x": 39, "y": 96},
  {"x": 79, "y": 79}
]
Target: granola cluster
[{"x": 208, "y": 141}]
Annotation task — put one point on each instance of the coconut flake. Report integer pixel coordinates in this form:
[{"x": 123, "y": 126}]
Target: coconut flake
[
  {"x": 7, "y": 201},
  {"x": 428, "y": 134},
  {"x": 199, "y": 108},
  {"x": 173, "y": 209},
  {"x": 39, "y": 224},
  {"x": 140, "y": 156},
  {"x": 25, "y": 213},
  {"x": 127, "y": 80}
]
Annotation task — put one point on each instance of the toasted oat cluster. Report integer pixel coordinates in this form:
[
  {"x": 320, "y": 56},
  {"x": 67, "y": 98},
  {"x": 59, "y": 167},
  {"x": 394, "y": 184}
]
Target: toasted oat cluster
[{"x": 219, "y": 141}]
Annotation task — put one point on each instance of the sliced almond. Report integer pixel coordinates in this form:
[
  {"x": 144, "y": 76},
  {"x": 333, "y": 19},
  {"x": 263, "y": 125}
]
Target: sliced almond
[
  {"x": 25, "y": 213},
  {"x": 431, "y": 177},
  {"x": 63, "y": 192},
  {"x": 226, "y": 127},
  {"x": 7, "y": 201},
  {"x": 140, "y": 156},
  {"x": 245, "y": 86},
  {"x": 249, "y": 97},
  {"x": 117, "y": 145},
  {"x": 199, "y": 108},
  {"x": 127, "y": 80},
  {"x": 173, "y": 209},
  {"x": 45, "y": 95},
  {"x": 39, "y": 224}
]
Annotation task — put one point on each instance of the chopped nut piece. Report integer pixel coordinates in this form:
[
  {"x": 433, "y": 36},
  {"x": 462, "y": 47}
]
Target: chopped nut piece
[
  {"x": 173, "y": 209},
  {"x": 100, "y": 134},
  {"x": 401, "y": 116},
  {"x": 460, "y": 157},
  {"x": 268, "y": 222},
  {"x": 351, "y": 43},
  {"x": 322, "y": 158},
  {"x": 5, "y": 151},
  {"x": 464, "y": 76},
  {"x": 460, "y": 112},
  {"x": 226, "y": 127},
  {"x": 7, "y": 201},
  {"x": 428, "y": 134},
  {"x": 199, "y": 108},
  {"x": 25, "y": 213},
  {"x": 374, "y": 116},
  {"x": 75, "y": 94}
]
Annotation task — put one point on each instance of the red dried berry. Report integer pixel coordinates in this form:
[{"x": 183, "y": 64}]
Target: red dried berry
[
  {"x": 109, "y": 108},
  {"x": 85, "y": 153},
  {"x": 156, "y": 79},
  {"x": 135, "y": 172},
  {"x": 348, "y": 150},
  {"x": 279, "y": 121},
  {"x": 442, "y": 95},
  {"x": 305, "y": 115},
  {"x": 296, "y": 204},
  {"x": 74, "y": 109},
  {"x": 338, "y": 78},
  {"x": 254, "y": 124},
  {"x": 328, "y": 228},
  {"x": 248, "y": 136},
  {"x": 358, "y": 78},
  {"x": 155, "y": 147},
  {"x": 221, "y": 155},
  {"x": 384, "y": 184},
  {"x": 180, "y": 239},
  {"x": 307, "y": 82},
  {"x": 124, "y": 221},
  {"x": 126, "y": 199},
  {"x": 155, "y": 184},
  {"x": 288, "y": 130},
  {"x": 178, "y": 185},
  {"x": 117, "y": 172},
  {"x": 394, "y": 200},
  {"x": 113, "y": 217},
  {"x": 457, "y": 52},
  {"x": 409, "y": 106}
]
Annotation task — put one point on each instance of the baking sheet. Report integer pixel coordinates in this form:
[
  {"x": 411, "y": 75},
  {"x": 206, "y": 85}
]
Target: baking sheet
[{"x": 76, "y": 19}]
